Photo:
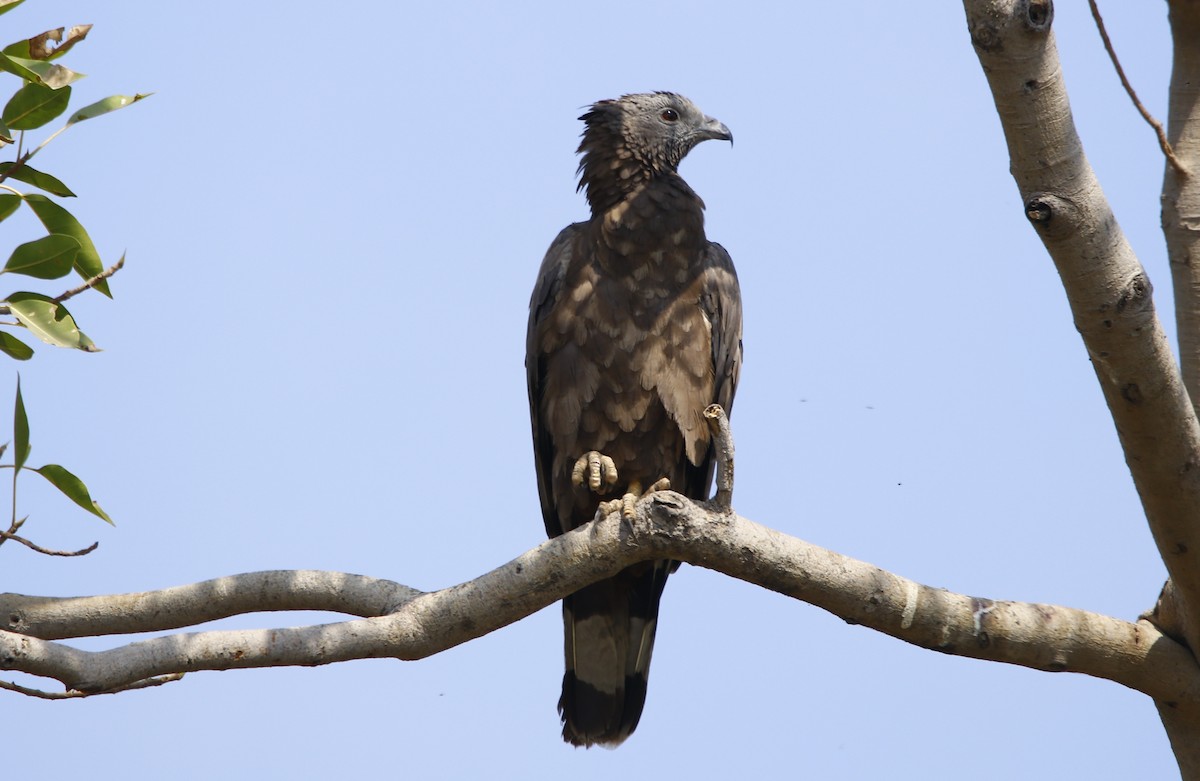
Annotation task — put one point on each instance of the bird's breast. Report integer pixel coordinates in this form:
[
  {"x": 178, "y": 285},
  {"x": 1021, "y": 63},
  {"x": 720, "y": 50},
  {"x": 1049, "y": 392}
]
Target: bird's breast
[{"x": 628, "y": 362}]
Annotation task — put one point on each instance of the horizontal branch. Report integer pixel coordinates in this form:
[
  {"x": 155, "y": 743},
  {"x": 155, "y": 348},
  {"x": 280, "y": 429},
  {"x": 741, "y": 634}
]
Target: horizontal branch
[
  {"x": 54, "y": 618},
  {"x": 74, "y": 694},
  {"x": 1042, "y": 637},
  {"x": 33, "y": 546}
]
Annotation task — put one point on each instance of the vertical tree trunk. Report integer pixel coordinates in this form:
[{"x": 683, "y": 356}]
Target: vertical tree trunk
[
  {"x": 1181, "y": 229},
  {"x": 1181, "y": 193},
  {"x": 1108, "y": 290}
]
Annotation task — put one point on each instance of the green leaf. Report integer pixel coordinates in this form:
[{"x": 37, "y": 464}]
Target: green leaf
[
  {"x": 20, "y": 432},
  {"x": 14, "y": 66},
  {"x": 73, "y": 488},
  {"x": 59, "y": 220},
  {"x": 8, "y": 5},
  {"x": 49, "y": 321},
  {"x": 39, "y": 46},
  {"x": 14, "y": 348},
  {"x": 101, "y": 107},
  {"x": 38, "y": 71},
  {"x": 9, "y": 203},
  {"x": 39, "y": 179},
  {"x": 49, "y": 257},
  {"x": 34, "y": 105}
]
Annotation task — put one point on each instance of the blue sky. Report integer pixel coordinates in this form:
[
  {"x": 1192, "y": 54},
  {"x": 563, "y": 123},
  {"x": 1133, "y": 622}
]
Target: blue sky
[{"x": 333, "y": 215}]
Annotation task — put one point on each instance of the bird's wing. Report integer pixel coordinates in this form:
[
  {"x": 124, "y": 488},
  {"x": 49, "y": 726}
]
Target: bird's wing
[
  {"x": 546, "y": 291},
  {"x": 721, "y": 303}
]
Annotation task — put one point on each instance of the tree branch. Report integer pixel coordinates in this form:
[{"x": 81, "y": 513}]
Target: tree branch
[
  {"x": 70, "y": 695},
  {"x": 1181, "y": 229},
  {"x": 54, "y": 618},
  {"x": 1181, "y": 194},
  {"x": 718, "y": 424},
  {"x": 1109, "y": 293},
  {"x": 33, "y": 546},
  {"x": 1043, "y": 637}
]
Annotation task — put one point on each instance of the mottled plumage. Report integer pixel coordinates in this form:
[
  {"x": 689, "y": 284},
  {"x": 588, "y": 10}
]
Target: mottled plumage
[{"x": 634, "y": 328}]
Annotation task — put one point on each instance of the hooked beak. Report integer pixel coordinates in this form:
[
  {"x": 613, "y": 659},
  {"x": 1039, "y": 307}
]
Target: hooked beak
[{"x": 714, "y": 129}]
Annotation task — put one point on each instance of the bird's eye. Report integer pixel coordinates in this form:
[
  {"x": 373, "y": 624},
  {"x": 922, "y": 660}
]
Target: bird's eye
[{"x": 669, "y": 115}]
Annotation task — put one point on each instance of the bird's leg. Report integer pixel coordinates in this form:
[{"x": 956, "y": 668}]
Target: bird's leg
[{"x": 596, "y": 470}]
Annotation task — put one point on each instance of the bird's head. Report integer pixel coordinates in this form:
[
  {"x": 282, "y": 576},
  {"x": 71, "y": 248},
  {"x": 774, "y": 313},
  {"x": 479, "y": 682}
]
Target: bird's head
[{"x": 648, "y": 133}]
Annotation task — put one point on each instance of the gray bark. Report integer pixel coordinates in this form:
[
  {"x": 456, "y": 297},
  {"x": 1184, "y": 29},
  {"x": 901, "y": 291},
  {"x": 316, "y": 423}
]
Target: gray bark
[{"x": 1111, "y": 296}]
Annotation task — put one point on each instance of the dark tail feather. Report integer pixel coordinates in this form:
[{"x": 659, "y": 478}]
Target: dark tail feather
[{"x": 609, "y": 628}]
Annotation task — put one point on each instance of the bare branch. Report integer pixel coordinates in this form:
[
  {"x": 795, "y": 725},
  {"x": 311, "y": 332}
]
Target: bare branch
[
  {"x": 718, "y": 424},
  {"x": 74, "y": 695},
  {"x": 1043, "y": 637},
  {"x": 48, "y": 551},
  {"x": 1137, "y": 103},
  {"x": 52, "y": 618}
]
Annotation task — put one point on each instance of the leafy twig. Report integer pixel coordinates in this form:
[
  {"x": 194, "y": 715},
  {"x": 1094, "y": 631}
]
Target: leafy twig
[{"x": 12, "y": 531}]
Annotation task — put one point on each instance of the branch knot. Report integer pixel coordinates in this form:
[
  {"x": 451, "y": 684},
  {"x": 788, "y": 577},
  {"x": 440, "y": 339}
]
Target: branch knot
[
  {"x": 1052, "y": 215},
  {"x": 1037, "y": 15}
]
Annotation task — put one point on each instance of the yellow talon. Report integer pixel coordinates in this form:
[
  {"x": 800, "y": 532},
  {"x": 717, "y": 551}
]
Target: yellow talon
[{"x": 599, "y": 469}]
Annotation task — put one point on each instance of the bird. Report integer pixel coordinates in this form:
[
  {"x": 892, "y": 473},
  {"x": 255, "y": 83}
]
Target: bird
[{"x": 635, "y": 327}]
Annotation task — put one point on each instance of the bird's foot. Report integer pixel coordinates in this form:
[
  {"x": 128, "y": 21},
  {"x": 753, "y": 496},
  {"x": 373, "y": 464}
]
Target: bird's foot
[
  {"x": 627, "y": 504},
  {"x": 595, "y": 470}
]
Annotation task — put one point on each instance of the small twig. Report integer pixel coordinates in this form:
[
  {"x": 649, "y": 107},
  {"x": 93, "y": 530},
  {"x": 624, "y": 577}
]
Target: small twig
[
  {"x": 20, "y": 162},
  {"x": 1175, "y": 162},
  {"x": 718, "y": 424},
  {"x": 88, "y": 285},
  {"x": 8, "y": 535},
  {"x": 74, "y": 694},
  {"x": 12, "y": 529},
  {"x": 22, "y": 159},
  {"x": 105, "y": 274}
]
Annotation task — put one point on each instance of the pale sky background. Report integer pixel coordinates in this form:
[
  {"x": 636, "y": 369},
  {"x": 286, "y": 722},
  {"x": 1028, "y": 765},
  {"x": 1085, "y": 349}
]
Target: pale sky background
[{"x": 334, "y": 213}]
